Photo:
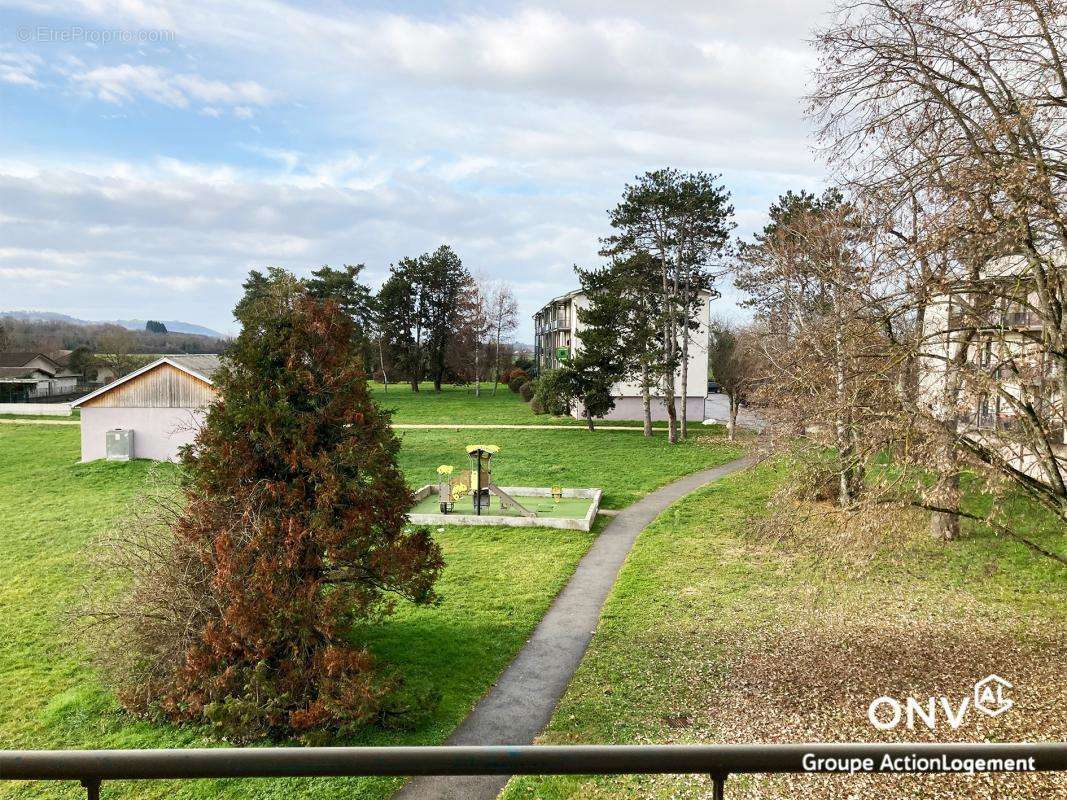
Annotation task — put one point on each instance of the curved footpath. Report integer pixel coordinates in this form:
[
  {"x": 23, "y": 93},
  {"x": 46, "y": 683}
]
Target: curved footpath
[{"x": 520, "y": 704}]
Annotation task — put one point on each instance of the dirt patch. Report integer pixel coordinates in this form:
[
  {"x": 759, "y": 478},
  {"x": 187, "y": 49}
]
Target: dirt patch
[{"x": 815, "y": 683}]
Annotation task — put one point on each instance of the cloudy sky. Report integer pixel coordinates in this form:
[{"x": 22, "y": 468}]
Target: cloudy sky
[{"x": 152, "y": 153}]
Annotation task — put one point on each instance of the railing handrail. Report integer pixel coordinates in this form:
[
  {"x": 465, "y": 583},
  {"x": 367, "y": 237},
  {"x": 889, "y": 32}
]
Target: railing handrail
[{"x": 94, "y": 766}]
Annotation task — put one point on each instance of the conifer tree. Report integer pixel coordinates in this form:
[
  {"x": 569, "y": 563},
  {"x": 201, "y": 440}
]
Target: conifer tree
[{"x": 295, "y": 518}]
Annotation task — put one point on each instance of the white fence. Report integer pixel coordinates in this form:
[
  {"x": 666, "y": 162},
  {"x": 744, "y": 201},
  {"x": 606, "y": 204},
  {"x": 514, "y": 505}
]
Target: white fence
[{"x": 47, "y": 409}]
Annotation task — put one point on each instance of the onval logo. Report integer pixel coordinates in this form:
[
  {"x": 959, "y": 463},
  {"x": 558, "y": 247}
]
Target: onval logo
[{"x": 886, "y": 713}]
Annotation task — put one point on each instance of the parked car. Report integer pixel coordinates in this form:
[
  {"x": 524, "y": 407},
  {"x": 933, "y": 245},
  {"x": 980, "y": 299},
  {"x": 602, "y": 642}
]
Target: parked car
[{"x": 713, "y": 387}]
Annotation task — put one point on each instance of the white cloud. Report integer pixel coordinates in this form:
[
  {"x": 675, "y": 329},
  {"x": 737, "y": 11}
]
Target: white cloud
[
  {"x": 19, "y": 69},
  {"x": 125, "y": 83},
  {"x": 503, "y": 129}
]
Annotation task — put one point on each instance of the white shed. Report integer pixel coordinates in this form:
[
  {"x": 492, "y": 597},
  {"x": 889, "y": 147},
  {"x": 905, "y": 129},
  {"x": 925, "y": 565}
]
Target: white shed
[{"x": 163, "y": 404}]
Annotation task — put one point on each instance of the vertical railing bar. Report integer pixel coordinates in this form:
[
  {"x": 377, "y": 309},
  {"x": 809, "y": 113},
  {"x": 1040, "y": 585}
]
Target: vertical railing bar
[
  {"x": 718, "y": 786},
  {"x": 92, "y": 788}
]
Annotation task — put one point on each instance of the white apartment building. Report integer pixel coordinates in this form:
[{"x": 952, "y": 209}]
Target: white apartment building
[
  {"x": 556, "y": 328},
  {"x": 1009, "y": 331}
]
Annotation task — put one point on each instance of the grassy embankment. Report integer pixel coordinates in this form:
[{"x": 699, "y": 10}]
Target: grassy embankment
[{"x": 720, "y": 632}]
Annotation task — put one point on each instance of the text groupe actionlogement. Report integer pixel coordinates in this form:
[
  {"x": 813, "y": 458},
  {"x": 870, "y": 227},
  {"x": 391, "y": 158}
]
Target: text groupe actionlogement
[{"x": 916, "y": 763}]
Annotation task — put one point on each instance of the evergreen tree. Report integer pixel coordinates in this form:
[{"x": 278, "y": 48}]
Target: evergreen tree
[
  {"x": 296, "y": 510},
  {"x": 445, "y": 280},
  {"x": 344, "y": 287},
  {"x": 622, "y": 321},
  {"x": 683, "y": 221},
  {"x": 401, "y": 318},
  {"x": 420, "y": 310}
]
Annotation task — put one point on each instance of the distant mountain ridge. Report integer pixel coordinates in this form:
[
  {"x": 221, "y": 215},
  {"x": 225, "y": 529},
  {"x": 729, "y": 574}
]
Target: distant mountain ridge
[{"x": 173, "y": 325}]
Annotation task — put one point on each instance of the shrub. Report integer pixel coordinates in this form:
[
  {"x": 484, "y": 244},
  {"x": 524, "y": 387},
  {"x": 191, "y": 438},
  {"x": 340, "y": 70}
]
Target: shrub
[
  {"x": 524, "y": 363},
  {"x": 553, "y": 392},
  {"x": 511, "y": 374},
  {"x": 536, "y": 407},
  {"x": 290, "y": 536},
  {"x": 516, "y": 383},
  {"x": 526, "y": 391}
]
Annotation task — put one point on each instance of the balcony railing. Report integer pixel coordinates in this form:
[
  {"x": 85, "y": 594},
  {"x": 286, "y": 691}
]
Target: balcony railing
[
  {"x": 996, "y": 320},
  {"x": 93, "y": 767}
]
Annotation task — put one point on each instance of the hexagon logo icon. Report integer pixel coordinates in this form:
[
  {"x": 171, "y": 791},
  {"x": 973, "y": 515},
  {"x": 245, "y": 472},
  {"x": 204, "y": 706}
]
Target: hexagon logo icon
[{"x": 989, "y": 696}]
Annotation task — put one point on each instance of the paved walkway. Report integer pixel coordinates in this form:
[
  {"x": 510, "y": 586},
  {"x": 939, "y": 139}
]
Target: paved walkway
[{"x": 521, "y": 703}]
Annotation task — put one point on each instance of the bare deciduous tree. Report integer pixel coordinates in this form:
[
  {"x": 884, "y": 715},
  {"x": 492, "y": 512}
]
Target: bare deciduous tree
[
  {"x": 954, "y": 114},
  {"x": 502, "y": 318}
]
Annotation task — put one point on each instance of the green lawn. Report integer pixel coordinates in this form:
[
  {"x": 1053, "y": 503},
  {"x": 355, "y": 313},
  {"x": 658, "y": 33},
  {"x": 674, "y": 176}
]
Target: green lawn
[
  {"x": 496, "y": 585},
  {"x": 459, "y": 405},
  {"x": 714, "y": 634}
]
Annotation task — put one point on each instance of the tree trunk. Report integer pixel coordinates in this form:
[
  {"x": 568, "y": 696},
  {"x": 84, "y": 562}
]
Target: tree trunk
[
  {"x": 477, "y": 368},
  {"x": 496, "y": 360},
  {"x": 646, "y": 399},
  {"x": 731, "y": 425},
  {"x": 672, "y": 412},
  {"x": 946, "y": 494},
  {"x": 381, "y": 357},
  {"x": 685, "y": 374},
  {"x": 946, "y": 490},
  {"x": 841, "y": 437},
  {"x": 588, "y": 419},
  {"x": 670, "y": 345}
]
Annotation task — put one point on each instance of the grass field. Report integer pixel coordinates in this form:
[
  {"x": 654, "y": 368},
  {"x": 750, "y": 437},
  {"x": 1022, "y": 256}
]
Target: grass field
[
  {"x": 496, "y": 585},
  {"x": 714, "y": 634},
  {"x": 459, "y": 405}
]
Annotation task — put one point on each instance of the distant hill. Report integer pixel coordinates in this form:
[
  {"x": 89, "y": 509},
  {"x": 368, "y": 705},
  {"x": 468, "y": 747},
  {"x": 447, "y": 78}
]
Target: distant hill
[{"x": 173, "y": 325}]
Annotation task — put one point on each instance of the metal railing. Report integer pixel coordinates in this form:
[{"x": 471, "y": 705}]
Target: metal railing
[{"x": 93, "y": 767}]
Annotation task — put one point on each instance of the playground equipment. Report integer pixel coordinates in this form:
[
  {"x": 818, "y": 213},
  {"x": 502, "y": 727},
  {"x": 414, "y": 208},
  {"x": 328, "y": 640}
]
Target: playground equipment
[
  {"x": 553, "y": 507},
  {"x": 450, "y": 488},
  {"x": 478, "y": 482},
  {"x": 482, "y": 486}
]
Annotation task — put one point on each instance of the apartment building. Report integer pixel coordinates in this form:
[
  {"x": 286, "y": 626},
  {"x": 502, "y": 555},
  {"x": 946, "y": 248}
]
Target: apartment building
[
  {"x": 556, "y": 328},
  {"x": 1007, "y": 359}
]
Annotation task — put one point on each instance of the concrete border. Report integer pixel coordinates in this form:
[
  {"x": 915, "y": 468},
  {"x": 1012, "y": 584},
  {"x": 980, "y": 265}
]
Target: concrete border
[
  {"x": 522, "y": 701},
  {"x": 565, "y": 523}
]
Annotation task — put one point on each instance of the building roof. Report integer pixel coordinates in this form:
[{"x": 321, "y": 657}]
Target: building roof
[
  {"x": 13, "y": 373},
  {"x": 202, "y": 366},
  {"x": 563, "y": 297},
  {"x": 22, "y": 359},
  {"x": 205, "y": 365},
  {"x": 577, "y": 292}
]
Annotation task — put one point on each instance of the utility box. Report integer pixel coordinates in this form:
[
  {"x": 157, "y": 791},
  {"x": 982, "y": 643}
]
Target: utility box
[{"x": 119, "y": 444}]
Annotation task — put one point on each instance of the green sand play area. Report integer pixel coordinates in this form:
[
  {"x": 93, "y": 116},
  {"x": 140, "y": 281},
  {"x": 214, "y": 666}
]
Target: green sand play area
[
  {"x": 470, "y": 497},
  {"x": 575, "y": 507}
]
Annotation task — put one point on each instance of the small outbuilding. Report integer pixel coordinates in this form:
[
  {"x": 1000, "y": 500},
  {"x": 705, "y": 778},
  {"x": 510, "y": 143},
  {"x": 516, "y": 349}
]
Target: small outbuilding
[{"x": 160, "y": 406}]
